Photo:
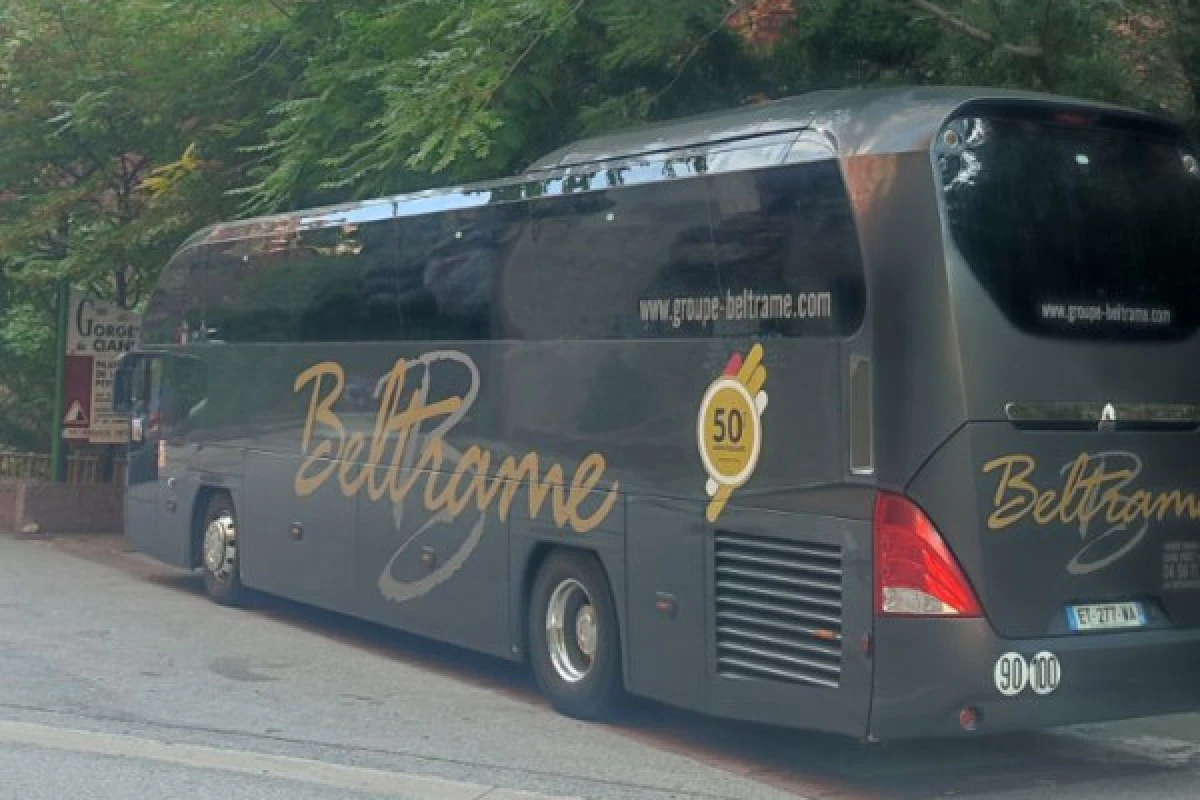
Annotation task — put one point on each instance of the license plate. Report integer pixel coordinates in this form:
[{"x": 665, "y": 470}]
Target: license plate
[{"x": 1106, "y": 616}]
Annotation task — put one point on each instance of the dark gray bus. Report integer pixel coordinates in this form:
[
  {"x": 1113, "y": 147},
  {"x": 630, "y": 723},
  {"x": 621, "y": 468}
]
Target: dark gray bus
[{"x": 868, "y": 412}]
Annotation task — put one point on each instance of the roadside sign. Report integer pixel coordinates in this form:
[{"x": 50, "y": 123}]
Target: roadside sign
[
  {"x": 77, "y": 399},
  {"x": 98, "y": 333}
]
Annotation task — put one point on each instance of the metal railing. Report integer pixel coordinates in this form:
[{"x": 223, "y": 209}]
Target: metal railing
[{"x": 81, "y": 469}]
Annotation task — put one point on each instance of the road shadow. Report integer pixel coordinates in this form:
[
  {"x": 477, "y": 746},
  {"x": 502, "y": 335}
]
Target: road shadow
[
  {"x": 823, "y": 766},
  {"x": 816, "y": 766}
]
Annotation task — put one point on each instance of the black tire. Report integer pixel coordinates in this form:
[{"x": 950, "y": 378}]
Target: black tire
[
  {"x": 224, "y": 583},
  {"x": 599, "y": 690}
]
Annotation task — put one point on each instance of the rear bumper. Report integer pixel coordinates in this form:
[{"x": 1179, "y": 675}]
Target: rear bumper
[{"x": 927, "y": 671}]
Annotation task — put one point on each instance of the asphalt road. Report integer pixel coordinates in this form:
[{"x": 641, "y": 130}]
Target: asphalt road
[{"x": 119, "y": 679}]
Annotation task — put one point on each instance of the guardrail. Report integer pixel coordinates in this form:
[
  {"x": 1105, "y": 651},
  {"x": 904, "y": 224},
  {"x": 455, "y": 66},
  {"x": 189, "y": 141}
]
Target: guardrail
[{"x": 83, "y": 470}]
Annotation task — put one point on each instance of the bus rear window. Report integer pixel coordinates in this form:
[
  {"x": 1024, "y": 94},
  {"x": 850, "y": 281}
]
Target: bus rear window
[{"x": 1076, "y": 229}]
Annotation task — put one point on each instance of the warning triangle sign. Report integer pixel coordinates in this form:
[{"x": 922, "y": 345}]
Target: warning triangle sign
[{"x": 75, "y": 415}]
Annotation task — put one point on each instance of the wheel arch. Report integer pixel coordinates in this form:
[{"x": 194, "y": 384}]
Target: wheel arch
[{"x": 530, "y": 554}]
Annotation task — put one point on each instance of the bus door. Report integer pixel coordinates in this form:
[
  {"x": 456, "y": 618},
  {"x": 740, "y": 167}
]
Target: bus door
[{"x": 139, "y": 391}]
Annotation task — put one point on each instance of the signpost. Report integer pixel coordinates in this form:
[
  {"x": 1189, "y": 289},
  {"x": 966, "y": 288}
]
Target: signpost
[{"x": 58, "y": 459}]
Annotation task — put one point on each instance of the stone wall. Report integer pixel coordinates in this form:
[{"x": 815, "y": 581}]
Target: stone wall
[
  {"x": 61, "y": 507},
  {"x": 9, "y": 514}
]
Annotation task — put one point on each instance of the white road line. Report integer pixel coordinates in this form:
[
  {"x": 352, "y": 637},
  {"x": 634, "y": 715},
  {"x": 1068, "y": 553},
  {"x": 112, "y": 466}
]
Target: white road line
[{"x": 303, "y": 770}]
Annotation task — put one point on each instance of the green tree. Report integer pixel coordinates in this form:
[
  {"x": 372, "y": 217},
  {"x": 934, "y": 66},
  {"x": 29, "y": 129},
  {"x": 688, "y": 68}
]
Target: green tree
[
  {"x": 396, "y": 94},
  {"x": 95, "y": 98},
  {"x": 92, "y": 99},
  {"x": 401, "y": 94}
]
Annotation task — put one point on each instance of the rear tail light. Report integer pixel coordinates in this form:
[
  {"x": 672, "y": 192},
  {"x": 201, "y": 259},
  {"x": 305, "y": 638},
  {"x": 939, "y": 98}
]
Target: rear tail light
[{"x": 915, "y": 573}]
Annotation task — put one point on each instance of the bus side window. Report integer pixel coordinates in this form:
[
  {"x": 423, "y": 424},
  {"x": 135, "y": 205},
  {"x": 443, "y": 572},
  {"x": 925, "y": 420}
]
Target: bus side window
[
  {"x": 422, "y": 276},
  {"x": 788, "y": 251},
  {"x": 184, "y": 395},
  {"x": 250, "y": 289},
  {"x": 347, "y": 278},
  {"x": 176, "y": 310},
  {"x": 451, "y": 261},
  {"x": 602, "y": 256},
  {"x": 469, "y": 250}
]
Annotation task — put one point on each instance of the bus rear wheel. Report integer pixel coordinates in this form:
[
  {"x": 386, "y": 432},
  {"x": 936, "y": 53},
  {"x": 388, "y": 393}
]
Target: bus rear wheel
[
  {"x": 574, "y": 641},
  {"x": 218, "y": 552}
]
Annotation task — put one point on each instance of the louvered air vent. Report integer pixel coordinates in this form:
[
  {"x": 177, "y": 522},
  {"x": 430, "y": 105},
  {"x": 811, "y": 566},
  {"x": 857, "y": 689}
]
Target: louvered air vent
[{"x": 779, "y": 610}]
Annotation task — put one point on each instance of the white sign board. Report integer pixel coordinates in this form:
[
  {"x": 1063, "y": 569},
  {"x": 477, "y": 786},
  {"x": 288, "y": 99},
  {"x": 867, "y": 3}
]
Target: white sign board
[{"x": 100, "y": 332}]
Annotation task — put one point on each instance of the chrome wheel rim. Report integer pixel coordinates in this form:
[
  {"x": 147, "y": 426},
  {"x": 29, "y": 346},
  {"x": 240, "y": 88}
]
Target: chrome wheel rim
[
  {"x": 572, "y": 631},
  {"x": 220, "y": 547}
]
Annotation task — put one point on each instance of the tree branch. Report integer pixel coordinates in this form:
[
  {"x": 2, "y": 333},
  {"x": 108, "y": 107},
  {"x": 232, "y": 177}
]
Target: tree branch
[
  {"x": 979, "y": 35},
  {"x": 261, "y": 64},
  {"x": 525, "y": 54},
  {"x": 279, "y": 7},
  {"x": 738, "y": 7}
]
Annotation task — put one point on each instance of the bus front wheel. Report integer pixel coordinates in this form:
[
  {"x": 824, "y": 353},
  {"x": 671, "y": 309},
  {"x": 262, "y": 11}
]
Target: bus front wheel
[
  {"x": 574, "y": 642},
  {"x": 218, "y": 552}
]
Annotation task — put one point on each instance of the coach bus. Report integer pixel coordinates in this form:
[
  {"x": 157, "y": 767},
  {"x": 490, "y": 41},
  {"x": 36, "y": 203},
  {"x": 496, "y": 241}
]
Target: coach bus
[{"x": 872, "y": 412}]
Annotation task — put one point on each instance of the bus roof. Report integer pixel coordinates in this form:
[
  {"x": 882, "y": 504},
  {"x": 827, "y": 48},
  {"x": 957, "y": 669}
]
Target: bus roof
[
  {"x": 856, "y": 122},
  {"x": 860, "y": 121}
]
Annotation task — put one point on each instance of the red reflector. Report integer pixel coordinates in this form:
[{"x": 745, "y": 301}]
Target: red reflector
[
  {"x": 915, "y": 573},
  {"x": 969, "y": 718}
]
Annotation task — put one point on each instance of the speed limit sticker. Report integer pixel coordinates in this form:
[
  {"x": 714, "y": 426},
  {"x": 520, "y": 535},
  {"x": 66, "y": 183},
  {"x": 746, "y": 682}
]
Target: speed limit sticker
[
  {"x": 1013, "y": 674},
  {"x": 1044, "y": 673}
]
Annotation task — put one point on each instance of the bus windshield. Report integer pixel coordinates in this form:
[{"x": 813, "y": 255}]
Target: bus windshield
[{"x": 1076, "y": 229}]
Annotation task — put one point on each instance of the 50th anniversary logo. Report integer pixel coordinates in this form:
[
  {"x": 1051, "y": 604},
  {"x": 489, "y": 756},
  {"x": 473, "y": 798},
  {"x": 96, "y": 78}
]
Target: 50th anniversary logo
[{"x": 729, "y": 427}]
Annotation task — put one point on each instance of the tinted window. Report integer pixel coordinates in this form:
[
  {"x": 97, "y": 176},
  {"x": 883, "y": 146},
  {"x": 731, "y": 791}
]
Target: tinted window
[
  {"x": 423, "y": 277},
  {"x": 1076, "y": 230},
  {"x": 249, "y": 292},
  {"x": 334, "y": 298},
  {"x": 788, "y": 252},
  {"x": 597, "y": 256},
  {"x": 184, "y": 395},
  {"x": 299, "y": 285},
  {"x": 447, "y": 269},
  {"x": 176, "y": 307}
]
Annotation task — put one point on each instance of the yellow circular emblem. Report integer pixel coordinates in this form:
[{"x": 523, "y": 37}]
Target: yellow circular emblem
[{"x": 730, "y": 432}]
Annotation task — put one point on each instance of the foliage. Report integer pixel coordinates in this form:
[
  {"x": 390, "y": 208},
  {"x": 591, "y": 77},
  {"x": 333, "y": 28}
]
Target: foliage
[
  {"x": 393, "y": 93},
  {"x": 128, "y": 124},
  {"x": 397, "y": 94},
  {"x": 92, "y": 99}
]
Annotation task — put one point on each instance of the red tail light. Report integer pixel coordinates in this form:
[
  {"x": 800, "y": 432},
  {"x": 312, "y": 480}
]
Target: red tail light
[{"x": 915, "y": 573}]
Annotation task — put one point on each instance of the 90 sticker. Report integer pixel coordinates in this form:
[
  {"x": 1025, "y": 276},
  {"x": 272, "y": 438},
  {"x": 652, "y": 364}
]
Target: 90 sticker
[{"x": 1013, "y": 674}]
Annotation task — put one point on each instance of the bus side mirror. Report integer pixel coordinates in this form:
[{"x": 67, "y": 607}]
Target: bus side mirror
[{"x": 123, "y": 384}]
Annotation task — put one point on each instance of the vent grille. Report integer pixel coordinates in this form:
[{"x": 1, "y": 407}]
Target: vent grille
[{"x": 778, "y": 610}]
